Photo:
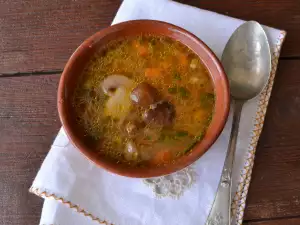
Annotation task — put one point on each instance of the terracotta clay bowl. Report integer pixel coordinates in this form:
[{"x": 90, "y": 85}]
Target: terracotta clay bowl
[{"x": 86, "y": 50}]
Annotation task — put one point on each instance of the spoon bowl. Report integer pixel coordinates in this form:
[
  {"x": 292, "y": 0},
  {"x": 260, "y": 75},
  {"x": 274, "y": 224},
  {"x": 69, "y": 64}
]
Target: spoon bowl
[{"x": 247, "y": 61}]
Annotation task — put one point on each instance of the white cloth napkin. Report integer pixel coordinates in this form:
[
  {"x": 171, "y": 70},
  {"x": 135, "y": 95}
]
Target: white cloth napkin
[{"x": 90, "y": 194}]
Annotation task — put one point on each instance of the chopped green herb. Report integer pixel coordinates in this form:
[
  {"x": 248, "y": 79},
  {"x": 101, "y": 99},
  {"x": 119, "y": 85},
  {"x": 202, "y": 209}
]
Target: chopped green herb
[
  {"x": 197, "y": 139},
  {"x": 162, "y": 137},
  {"x": 171, "y": 136},
  {"x": 176, "y": 75},
  {"x": 172, "y": 90},
  {"x": 167, "y": 139},
  {"x": 200, "y": 137},
  {"x": 209, "y": 119},
  {"x": 184, "y": 93},
  {"x": 182, "y": 133},
  {"x": 152, "y": 42},
  {"x": 148, "y": 138},
  {"x": 190, "y": 148},
  {"x": 207, "y": 99},
  {"x": 150, "y": 47}
]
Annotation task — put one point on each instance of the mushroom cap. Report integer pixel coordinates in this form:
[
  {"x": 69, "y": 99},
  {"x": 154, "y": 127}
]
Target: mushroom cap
[
  {"x": 162, "y": 113},
  {"x": 144, "y": 95},
  {"x": 113, "y": 82}
]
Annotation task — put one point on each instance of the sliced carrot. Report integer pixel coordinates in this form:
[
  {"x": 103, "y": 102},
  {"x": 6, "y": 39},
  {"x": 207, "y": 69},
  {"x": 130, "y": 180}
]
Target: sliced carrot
[
  {"x": 162, "y": 157},
  {"x": 165, "y": 65},
  {"x": 183, "y": 60},
  {"x": 135, "y": 43},
  {"x": 152, "y": 72},
  {"x": 141, "y": 49}
]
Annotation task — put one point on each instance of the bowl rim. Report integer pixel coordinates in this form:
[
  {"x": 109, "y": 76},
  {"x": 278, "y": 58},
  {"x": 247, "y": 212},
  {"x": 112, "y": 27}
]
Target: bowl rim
[{"x": 197, "y": 152}]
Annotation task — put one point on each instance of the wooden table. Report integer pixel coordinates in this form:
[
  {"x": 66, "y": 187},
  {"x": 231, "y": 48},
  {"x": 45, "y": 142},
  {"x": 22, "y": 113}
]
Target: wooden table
[{"x": 38, "y": 36}]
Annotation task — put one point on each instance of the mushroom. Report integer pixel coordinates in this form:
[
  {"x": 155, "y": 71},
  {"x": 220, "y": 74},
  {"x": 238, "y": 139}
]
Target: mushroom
[
  {"x": 162, "y": 113},
  {"x": 194, "y": 63},
  {"x": 131, "y": 128},
  {"x": 118, "y": 87},
  {"x": 118, "y": 105},
  {"x": 113, "y": 82},
  {"x": 151, "y": 133},
  {"x": 132, "y": 124},
  {"x": 131, "y": 152},
  {"x": 144, "y": 94}
]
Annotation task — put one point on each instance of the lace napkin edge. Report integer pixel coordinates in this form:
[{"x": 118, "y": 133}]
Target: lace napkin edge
[{"x": 46, "y": 195}]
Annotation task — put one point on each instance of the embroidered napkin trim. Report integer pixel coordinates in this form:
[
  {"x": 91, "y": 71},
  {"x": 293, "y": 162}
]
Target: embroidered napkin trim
[
  {"x": 77, "y": 208},
  {"x": 239, "y": 201}
]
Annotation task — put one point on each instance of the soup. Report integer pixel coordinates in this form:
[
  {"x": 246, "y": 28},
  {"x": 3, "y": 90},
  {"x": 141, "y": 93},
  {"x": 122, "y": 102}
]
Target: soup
[{"x": 144, "y": 101}]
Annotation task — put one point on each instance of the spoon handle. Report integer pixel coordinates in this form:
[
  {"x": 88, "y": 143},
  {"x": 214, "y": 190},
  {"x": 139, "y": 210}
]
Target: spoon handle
[{"x": 220, "y": 213}]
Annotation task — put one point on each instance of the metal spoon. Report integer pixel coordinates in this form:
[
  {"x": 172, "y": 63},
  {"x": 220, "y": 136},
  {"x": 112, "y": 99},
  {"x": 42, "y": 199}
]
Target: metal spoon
[{"x": 247, "y": 63}]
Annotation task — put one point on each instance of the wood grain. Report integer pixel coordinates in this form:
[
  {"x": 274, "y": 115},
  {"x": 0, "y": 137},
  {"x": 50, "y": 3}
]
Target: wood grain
[
  {"x": 283, "y": 221},
  {"x": 275, "y": 186},
  {"x": 28, "y": 125},
  {"x": 40, "y": 35},
  {"x": 281, "y": 14}
]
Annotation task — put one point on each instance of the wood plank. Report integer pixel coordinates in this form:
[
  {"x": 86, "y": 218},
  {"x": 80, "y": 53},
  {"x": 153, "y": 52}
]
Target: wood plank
[
  {"x": 40, "y": 35},
  {"x": 275, "y": 186},
  {"x": 283, "y": 221},
  {"x": 28, "y": 125},
  {"x": 276, "y": 13}
]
